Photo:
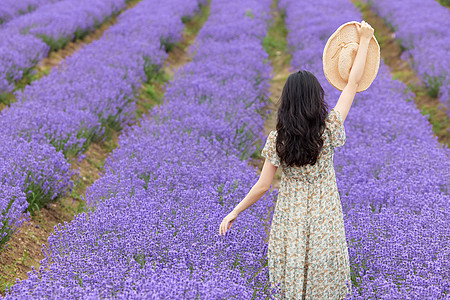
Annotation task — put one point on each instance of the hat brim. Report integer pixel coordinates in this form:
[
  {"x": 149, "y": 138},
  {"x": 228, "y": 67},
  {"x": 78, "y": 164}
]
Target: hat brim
[{"x": 348, "y": 33}]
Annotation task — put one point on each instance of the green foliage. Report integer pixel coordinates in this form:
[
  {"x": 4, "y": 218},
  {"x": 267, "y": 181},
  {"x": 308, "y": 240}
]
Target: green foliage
[
  {"x": 196, "y": 23},
  {"x": 60, "y": 144},
  {"x": 54, "y": 44},
  {"x": 6, "y": 230},
  {"x": 5, "y": 98},
  {"x": 433, "y": 85},
  {"x": 359, "y": 4},
  {"x": 36, "y": 196},
  {"x": 249, "y": 13},
  {"x": 140, "y": 259},
  {"x": 275, "y": 42},
  {"x": 257, "y": 153},
  {"x": 220, "y": 192},
  {"x": 167, "y": 43},
  {"x": 430, "y": 112},
  {"x": 28, "y": 10},
  {"x": 151, "y": 70},
  {"x": 444, "y": 2},
  {"x": 79, "y": 281},
  {"x": 186, "y": 19},
  {"x": 146, "y": 177},
  {"x": 80, "y": 33},
  {"x": 149, "y": 93}
]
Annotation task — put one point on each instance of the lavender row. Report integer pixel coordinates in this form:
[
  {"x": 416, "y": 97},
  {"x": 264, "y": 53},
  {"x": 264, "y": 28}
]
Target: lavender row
[
  {"x": 175, "y": 176},
  {"x": 31, "y": 175},
  {"x": 424, "y": 33},
  {"x": 91, "y": 88},
  {"x": 38, "y": 170},
  {"x": 95, "y": 87},
  {"x": 27, "y": 39},
  {"x": 392, "y": 173},
  {"x": 11, "y": 9}
]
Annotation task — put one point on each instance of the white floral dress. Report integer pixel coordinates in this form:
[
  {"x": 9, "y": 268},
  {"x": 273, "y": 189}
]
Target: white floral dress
[{"x": 307, "y": 252}]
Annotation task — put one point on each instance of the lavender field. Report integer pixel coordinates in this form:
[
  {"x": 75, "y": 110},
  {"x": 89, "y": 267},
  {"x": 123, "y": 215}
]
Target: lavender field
[{"x": 167, "y": 112}]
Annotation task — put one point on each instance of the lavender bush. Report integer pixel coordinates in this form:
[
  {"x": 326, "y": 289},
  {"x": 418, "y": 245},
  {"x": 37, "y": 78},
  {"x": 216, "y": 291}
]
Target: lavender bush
[
  {"x": 18, "y": 54},
  {"x": 31, "y": 175},
  {"x": 95, "y": 87},
  {"x": 392, "y": 173},
  {"x": 27, "y": 39},
  {"x": 12, "y": 203},
  {"x": 153, "y": 228},
  {"x": 424, "y": 35}
]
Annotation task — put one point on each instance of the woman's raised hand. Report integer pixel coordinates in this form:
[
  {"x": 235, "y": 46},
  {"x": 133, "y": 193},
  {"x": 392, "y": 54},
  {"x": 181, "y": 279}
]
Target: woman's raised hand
[
  {"x": 227, "y": 222},
  {"x": 365, "y": 31}
]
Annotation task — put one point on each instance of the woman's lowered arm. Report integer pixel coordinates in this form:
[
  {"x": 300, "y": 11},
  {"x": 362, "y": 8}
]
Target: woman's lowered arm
[{"x": 255, "y": 193}]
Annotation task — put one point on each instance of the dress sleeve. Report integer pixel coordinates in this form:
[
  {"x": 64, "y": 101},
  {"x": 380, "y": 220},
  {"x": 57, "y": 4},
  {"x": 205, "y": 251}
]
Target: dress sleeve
[
  {"x": 269, "y": 151},
  {"x": 336, "y": 128}
]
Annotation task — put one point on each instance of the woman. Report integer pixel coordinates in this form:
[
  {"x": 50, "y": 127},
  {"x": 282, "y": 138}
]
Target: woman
[{"x": 307, "y": 252}]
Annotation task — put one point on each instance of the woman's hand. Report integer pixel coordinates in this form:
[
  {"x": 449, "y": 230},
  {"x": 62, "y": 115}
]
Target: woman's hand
[
  {"x": 227, "y": 222},
  {"x": 365, "y": 31}
]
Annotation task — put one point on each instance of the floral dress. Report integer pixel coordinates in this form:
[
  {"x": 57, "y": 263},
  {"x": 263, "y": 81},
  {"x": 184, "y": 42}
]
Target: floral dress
[{"x": 307, "y": 252}]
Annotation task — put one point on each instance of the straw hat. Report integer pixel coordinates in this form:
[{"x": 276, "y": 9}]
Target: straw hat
[{"x": 340, "y": 52}]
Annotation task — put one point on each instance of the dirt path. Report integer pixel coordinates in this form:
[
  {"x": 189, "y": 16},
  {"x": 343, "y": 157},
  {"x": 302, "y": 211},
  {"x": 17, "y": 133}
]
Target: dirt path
[
  {"x": 391, "y": 52},
  {"x": 24, "y": 248}
]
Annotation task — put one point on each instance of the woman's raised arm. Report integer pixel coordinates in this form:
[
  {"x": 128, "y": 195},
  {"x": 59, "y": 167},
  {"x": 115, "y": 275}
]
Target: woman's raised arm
[{"x": 348, "y": 94}]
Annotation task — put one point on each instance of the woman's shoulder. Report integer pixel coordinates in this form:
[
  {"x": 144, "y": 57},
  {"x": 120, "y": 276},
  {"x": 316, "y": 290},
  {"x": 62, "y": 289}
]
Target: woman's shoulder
[
  {"x": 334, "y": 116},
  {"x": 272, "y": 135},
  {"x": 332, "y": 119},
  {"x": 331, "y": 115}
]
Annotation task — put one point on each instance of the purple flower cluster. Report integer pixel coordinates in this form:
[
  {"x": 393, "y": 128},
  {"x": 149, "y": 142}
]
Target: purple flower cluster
[
  {"x": 392, "y": 173},
  {"x": 27, "y": 39},
  {"x": 11, "y": 9},
  {"x": 95, "y": 87},
  {"x": 153, "y": 229},
  {"x": 422, "y": 27}
]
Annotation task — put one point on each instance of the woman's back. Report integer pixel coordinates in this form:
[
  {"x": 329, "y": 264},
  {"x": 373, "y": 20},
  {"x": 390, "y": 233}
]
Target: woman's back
[
  {"x": 307, "y": 239},
  {"x": 333, "y": 136}
]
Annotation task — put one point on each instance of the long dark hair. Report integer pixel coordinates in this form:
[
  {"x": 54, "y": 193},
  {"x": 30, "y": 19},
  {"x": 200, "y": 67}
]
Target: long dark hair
[{"x": 301, "y": 120}]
